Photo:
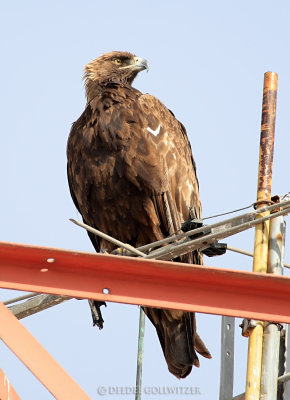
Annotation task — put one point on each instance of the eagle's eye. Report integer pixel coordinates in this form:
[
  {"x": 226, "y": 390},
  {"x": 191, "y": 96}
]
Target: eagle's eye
[{"x": 117, "y": 61}]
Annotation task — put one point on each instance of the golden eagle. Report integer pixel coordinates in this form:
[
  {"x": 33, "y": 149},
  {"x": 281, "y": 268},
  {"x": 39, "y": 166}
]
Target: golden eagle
[{"x": 132, "y": 175}]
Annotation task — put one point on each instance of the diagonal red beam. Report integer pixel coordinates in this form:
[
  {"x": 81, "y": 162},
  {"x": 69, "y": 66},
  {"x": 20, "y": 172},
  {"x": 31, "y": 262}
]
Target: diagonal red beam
[
  {"x": 7, "y": 391},
  {"x": 37, "y": 359},
  {"x": 146, "y": 282}
]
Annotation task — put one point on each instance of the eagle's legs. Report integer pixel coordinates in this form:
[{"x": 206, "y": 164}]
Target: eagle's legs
[{"x": 96, "y": 312}]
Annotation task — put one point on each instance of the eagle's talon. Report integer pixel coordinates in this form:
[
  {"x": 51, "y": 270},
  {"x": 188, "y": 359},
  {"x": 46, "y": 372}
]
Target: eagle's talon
[
  {"x": 120, "y": 250},
  {"x": 214, "y": 249},
  {"x": 96, "y": 312}
]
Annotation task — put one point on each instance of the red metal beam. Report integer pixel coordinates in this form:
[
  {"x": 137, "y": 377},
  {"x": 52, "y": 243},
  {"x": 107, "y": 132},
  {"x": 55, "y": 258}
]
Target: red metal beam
[
  {"x": 146, "y": 282},
  {"x": 7, "y": 391},
  {"x": 37, "y": 359}
]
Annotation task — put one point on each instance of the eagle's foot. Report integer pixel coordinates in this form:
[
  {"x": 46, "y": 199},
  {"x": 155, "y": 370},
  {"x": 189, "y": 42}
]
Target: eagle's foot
[
  {"x": 192, "y": 224},
  {"x": 96, "y": 312},
  {"x": 214, "y": 249}
]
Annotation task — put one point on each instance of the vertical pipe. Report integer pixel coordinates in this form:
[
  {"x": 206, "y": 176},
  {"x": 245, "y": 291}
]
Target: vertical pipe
[
  {"x": 262, "y": 230},
  {"x": 265, "y": 168},
  {"x": 282, "y": 366},
  {"x": 140, "y": 355},
  {"x": 286, "y": 386},
  {"x": 277, "y": 245},
  {"x": 270, "y": 361},
  {"x": 271, "y": 342}
]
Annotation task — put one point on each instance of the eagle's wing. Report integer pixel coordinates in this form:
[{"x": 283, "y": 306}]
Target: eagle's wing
[
  {"x": 178, "y": 201},
  {"x": 78, "y": 171},
  {"x": 179, "y": 196}
]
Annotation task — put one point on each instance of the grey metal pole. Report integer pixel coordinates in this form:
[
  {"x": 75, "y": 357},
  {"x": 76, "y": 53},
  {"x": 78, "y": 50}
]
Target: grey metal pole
[
  {"x": 270, "y": 360},
  {"x": 286, "y": 384},
  {"x": 271, "y": 338},
  {"x": 227, "y": 358},
  {"x": 140, "y": 355},
  {"x": 281, "y": 368}
]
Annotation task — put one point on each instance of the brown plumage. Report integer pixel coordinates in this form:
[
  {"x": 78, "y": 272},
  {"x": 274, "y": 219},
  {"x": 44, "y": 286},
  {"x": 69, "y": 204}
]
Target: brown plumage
[{"x": 131, "y": 175}]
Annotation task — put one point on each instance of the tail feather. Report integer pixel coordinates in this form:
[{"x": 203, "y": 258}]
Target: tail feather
[
  {"x": 176, "y": 332},
  {"x": 200, "y": 347}
]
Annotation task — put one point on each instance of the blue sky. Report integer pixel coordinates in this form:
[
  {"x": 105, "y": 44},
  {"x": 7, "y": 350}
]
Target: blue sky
[{"x": 207, "y": 61}]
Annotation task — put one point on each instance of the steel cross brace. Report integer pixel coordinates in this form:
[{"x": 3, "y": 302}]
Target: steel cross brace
[
  {"x": 37, "y": 360},
  {"x": 209, "y": 234}
]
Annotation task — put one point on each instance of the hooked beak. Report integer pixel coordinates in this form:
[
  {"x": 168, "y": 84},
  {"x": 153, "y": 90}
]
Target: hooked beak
[
  {"x": 140, "y": 64},
  {"x": 137, "y": 64}
]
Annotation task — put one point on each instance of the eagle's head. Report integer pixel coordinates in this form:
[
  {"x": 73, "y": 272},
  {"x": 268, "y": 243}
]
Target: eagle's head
[{"x": 117, "y": 67}]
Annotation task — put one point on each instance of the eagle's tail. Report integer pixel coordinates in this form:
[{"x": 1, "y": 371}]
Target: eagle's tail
[
  {"x": 177, "y": 332},
  {"x": 178, "y": 339}
]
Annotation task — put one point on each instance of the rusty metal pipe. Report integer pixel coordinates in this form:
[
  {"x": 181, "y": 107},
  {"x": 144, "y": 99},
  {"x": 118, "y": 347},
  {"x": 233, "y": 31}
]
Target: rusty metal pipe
[
  {"x": 255, "y": 346},
  {"x": 267, "y": 137}
]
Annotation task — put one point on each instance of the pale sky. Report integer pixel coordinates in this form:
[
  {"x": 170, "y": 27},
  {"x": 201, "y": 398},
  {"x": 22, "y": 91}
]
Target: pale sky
[{"x": 207, "y": 61}]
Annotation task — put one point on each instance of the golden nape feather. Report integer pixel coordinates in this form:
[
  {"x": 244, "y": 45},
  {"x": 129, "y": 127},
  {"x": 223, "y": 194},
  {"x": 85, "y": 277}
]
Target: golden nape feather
[{"x": 132, "y": 175}]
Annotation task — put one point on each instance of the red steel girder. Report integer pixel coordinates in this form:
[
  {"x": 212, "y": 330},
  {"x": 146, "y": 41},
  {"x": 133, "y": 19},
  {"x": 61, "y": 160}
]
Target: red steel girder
[
  {"x": 146, "y": 282},
  {"x": 7, "y": 391}
]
